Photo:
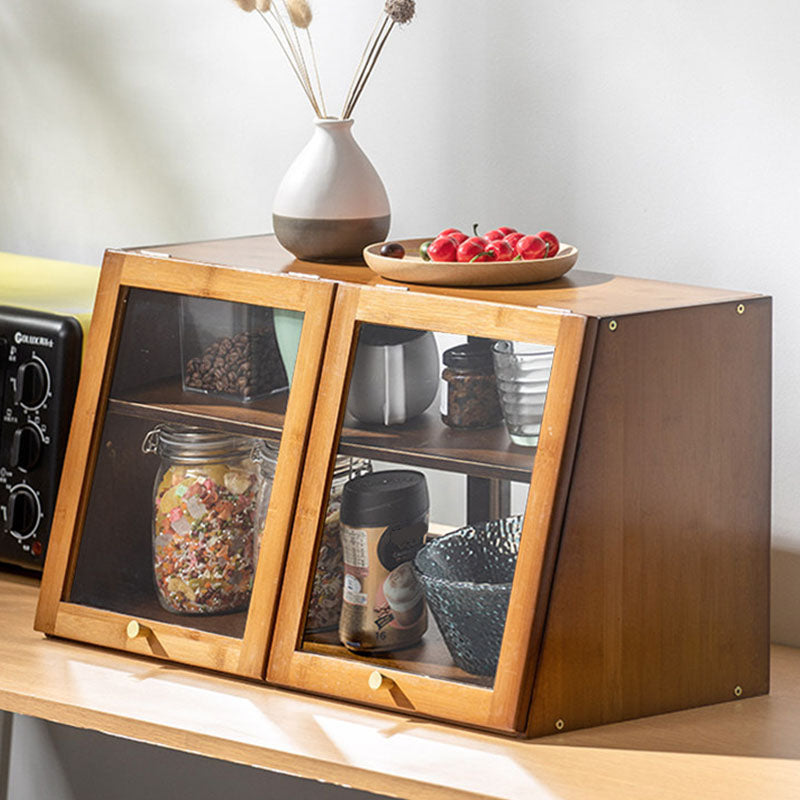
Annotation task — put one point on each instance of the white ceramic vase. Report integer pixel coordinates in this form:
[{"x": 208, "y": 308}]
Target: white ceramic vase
[{"x": 331, "y": 203}]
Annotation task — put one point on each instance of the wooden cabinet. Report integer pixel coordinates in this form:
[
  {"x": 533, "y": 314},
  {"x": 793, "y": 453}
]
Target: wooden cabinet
[{"x": 640, "y": 584}]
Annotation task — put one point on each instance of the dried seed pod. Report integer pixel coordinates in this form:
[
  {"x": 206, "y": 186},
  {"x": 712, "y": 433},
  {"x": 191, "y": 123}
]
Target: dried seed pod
[
  {"x": 246, "y": 5},
  {"x": 263, "y": 5},
  {"x": 299, "y": 13},
  {"x": 401, "y": 11}
]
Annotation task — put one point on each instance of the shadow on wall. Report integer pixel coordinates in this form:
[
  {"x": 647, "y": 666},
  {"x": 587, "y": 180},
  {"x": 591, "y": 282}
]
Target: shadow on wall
[{"x": 785, "y": 599}]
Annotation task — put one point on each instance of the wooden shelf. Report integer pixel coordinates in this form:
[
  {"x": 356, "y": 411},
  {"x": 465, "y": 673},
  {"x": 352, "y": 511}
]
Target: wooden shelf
[
  {"x": 430, "y": 658},
  {"x": 427, "y": 442},
  {"x": 166, "y": 401},
  {"x": 423, "y": 442},
  {"x": 747, "y": 748}
]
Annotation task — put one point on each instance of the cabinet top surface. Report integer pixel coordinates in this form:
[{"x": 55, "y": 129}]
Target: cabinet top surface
[
  {"x": 594, "y": 294},
  {"x": 710, "y": 752}
]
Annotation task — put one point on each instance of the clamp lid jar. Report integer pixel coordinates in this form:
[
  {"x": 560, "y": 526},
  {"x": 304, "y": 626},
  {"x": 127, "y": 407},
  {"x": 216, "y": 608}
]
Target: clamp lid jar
[{"x": 208, "y": 507}]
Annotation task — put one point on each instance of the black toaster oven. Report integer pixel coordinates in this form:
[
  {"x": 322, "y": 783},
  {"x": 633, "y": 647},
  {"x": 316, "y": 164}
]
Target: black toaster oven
[{"x": 40, "y": 361}]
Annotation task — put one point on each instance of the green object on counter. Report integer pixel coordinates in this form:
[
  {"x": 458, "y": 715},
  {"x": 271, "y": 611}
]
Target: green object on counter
[{"x": 288, "y": 327}]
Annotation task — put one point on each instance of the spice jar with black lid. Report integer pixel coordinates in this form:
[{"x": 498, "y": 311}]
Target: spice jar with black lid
[
  {"x": 384, "y": 520},
  {"x": 470, "y": 399}
]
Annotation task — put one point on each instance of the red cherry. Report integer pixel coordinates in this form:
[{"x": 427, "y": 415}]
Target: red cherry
[
  {"x": 551, "y": 240},
  {"x": 474, "y": 249},
  {"x": 531, "y": 248},
  {"x": 455, "y": 233},
  {"x": 494, "y": 235},
  {"x": 502, "y": 249},
  {"x": 505, "y": 230},
  {"x": 443, "y": 248},
  {"x": 513, "y": 238}
]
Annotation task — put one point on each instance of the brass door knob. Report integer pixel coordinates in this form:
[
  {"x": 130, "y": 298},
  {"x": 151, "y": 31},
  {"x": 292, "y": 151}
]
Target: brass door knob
[
  {"x": 137, "y": 631},
  {"x": 377, "y": 681}
]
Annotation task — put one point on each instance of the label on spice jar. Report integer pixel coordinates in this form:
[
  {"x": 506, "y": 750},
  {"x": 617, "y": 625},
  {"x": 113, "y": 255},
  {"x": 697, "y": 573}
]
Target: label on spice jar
[{"x": 384, "y": 605}]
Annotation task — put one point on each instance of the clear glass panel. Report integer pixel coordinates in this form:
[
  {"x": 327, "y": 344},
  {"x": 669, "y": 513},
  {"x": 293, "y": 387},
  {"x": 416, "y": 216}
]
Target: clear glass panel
[
  {"x": 186, "y": 460},
  {"x": 444, "y": 429}
]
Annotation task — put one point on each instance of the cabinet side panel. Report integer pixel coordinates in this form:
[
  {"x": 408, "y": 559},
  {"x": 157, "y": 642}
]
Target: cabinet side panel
[{"x": 661, "y": 593}]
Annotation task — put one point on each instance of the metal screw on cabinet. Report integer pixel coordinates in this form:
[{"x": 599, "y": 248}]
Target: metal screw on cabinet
[
  {"x": 737, "y": 690},
  {"x": 740, "y": 308},
  {"x": 612, "y": 326},
  {"x": 559, "y": 724}
]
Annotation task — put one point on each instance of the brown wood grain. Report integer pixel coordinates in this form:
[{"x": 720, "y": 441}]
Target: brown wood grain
[
  {"x": 581, "y": 290},
  {"x": 82, "y": 443},
  {"x": 642, "y": 582},
  {"x": 527, "y": 605},
  {"x": 505, "y": 706},
  {"x": 314, "y": 489},
  {"x": 244, "y": 656},
  {"x": 286, "y": 483},
  {"x": 661, "y": 592}
]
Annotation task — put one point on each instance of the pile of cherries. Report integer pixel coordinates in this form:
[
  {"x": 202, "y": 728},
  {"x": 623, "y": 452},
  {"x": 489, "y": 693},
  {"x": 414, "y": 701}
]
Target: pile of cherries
[{"x": 500, "y": 244}]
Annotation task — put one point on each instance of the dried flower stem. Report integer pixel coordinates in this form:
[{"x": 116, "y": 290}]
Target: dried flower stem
[
  {"x": 301, "y": 62},
  {"x": 292, "y": 63},
  {"x": 285, "y": 19},
  {"x": 383, "y": 35},
  {"x": 360, "y": 67},
  {"x": 316, "y": 72},
  {"x": 292, "y": 41}
]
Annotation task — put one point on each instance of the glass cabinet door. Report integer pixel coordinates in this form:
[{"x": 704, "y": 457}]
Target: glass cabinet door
[
  {"x": 189, "y": 451},
  {"x": 429, "y": 477}
]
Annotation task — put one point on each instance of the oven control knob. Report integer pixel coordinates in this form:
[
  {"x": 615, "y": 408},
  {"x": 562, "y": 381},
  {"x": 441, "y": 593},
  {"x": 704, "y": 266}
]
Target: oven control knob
[
  {"x": 23, "y": 512},
  {"x": 32, "y": 384},
  {"x": 26, "y": 447}
]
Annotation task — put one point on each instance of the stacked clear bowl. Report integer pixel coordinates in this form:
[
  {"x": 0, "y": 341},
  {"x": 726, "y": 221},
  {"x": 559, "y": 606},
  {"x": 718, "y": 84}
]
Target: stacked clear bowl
[{"x": 523, "y": 375}]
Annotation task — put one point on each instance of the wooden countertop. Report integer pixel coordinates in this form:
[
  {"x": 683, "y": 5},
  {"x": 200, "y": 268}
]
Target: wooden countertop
[{"x": 743, "y": 749}]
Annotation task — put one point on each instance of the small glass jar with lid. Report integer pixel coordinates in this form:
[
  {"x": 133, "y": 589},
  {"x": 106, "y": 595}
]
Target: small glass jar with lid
[
  {"x": 470, "y": 399},
  {"x": 209, "y": 501}
]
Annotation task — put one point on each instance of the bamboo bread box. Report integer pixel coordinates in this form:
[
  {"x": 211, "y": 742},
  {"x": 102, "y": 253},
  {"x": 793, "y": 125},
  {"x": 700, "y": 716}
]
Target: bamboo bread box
[{"x": 636, "y": 528}]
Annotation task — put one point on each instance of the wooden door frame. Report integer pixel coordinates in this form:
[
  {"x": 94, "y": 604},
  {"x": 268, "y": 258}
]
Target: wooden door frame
[
  {"x": 121, "y": 272},
  {"x": 503, "y": 707}
]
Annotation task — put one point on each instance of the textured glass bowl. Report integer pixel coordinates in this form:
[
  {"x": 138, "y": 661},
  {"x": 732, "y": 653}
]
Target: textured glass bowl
[{"x": 467, "y": 578}]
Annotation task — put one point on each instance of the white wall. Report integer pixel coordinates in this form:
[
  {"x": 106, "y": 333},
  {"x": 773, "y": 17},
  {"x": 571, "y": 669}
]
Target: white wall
[{"x": 661, "y": 138}]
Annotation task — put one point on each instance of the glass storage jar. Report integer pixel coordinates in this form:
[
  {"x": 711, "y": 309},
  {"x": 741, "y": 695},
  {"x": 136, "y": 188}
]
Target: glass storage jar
[
  {"x": 470, "y": 399},
  {"x": 208, "y": 507},
  {"x": 325, "y": 604}
]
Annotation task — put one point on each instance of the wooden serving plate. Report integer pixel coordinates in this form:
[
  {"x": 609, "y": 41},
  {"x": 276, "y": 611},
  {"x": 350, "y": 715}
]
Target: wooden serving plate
[{"x": 412, "y": 269}]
